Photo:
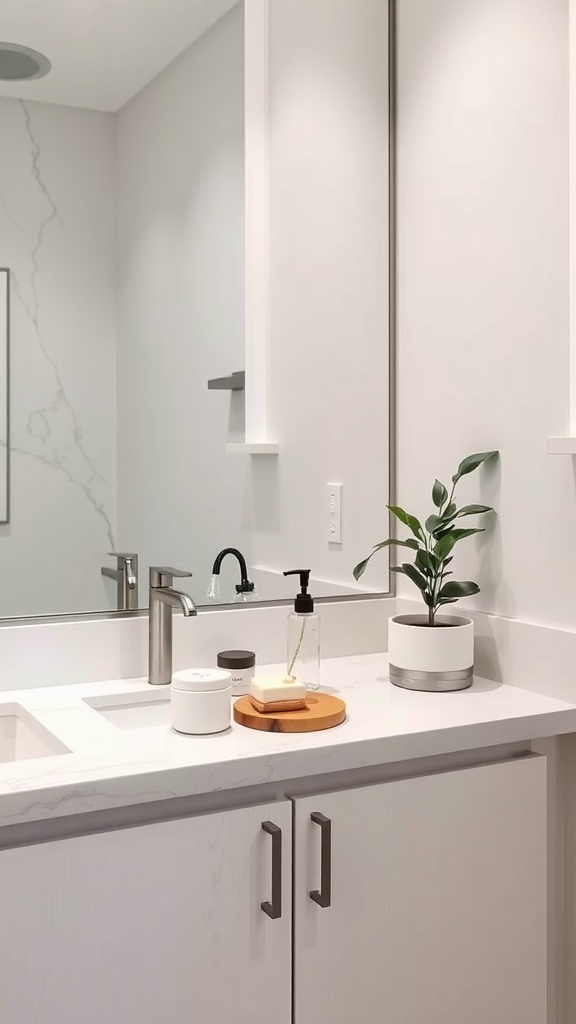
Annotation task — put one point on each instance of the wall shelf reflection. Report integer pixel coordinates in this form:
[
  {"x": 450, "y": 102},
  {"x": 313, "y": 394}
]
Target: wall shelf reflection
[
  {"x": 234, "y": 382},
  {"x": 252, "y": 449},
  {"x": 561, "y": 446}
]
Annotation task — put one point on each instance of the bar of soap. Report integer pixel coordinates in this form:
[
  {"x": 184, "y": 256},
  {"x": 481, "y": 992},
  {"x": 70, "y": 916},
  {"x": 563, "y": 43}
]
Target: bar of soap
[{"x": 274, "y": 693}]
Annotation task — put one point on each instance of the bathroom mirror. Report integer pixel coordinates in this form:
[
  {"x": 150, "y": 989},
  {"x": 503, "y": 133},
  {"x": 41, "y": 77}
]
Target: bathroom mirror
[
  {"x": 4, "y": 366},
  {"x": 195, "y": 222}
]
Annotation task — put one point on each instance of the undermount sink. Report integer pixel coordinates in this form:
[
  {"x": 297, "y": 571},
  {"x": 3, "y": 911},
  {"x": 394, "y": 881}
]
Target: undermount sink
[
  {"x": 139, "y": 711},
  {"x": 22, "y": 738}
]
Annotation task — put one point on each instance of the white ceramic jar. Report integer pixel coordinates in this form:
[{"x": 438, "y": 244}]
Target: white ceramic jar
[{"x": 201, "y": 701}]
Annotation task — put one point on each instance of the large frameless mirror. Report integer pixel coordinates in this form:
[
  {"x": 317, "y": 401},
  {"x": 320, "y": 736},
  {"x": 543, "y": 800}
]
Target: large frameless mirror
[{"x": 195, "y": 222}]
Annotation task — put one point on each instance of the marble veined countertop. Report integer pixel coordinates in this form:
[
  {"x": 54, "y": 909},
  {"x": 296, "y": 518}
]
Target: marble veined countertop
[{"x": 109, "y": 767}]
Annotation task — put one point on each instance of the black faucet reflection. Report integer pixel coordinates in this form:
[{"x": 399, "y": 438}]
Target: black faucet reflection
[{"x": 245, "y": 590}]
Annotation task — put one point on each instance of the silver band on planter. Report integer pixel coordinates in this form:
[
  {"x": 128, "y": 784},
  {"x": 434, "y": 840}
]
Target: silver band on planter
[{"x": 433, "y": 681}]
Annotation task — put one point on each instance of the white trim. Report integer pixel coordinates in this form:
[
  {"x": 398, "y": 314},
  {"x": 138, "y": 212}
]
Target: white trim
[
  {"x": 257, "y": 162},
  {"x": 567, "y": 445}
]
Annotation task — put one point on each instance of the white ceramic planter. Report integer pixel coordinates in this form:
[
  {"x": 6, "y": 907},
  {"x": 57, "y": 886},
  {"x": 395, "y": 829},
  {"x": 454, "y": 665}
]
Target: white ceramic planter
[{"x": 436, "y": 658}]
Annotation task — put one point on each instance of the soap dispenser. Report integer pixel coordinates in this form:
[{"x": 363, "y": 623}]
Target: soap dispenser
[{"x": 304, "y": 635}]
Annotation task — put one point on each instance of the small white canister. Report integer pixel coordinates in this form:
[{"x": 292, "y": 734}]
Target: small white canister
[{"x": 200, "y": 699}]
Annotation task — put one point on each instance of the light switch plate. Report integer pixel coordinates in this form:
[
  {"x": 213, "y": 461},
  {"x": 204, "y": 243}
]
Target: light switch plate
[{"x": 334, "y": 513}]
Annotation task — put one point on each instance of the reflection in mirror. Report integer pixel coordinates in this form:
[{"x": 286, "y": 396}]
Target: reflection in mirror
[
  {"x": 4, "y": 384},
  {"x": 138, "y": 251}
]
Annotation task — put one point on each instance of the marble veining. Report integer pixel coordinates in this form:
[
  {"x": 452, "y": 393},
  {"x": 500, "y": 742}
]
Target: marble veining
[
  {"x": 58, "y": 240},
  {"x": 109, "y": 768},
  {"x": 58, "y": 417}
]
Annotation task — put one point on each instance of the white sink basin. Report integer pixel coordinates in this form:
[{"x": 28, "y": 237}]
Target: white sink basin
[
  {"x": 23, "y": 738},
  {"x": 139, "y": 711}
]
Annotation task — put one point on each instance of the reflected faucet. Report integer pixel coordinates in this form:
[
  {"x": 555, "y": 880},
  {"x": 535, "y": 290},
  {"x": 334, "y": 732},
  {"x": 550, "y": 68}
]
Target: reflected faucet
[
  {"x": 162, "y": 600},
  {"x": 244, "y": 587},
  {"x": 126, "y": 578}
]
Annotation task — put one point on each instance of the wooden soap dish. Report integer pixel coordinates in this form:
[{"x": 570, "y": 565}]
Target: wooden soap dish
[{"x": 323, "y": 712}]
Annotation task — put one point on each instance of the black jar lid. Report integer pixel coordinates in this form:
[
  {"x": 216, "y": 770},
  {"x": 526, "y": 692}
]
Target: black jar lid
[{"x": 236, "y": 659}]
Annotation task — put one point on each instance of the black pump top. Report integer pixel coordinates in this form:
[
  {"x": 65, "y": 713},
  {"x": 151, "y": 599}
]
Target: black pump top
[{"x": 304, "y": 603}]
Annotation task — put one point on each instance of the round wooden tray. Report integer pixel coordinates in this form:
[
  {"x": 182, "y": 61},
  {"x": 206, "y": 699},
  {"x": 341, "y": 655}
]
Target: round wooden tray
[{"x": 323, "y": 712}]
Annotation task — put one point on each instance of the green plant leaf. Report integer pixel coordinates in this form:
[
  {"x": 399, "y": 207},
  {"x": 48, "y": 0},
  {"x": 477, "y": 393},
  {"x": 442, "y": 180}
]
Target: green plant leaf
[
  {"x": 446, "y": 600},
  {"x": 462, "y": 534},
  {"x": 455, "y": 590},
  {"x": 439, "y": 494},
  {"x": 445, "y": 545},
  {"x": 442, "y": 533},
  {"x": 360, "y": 569},
  {"x": 473, "y": 510},
  {"x": 426, "y": 562},
  {"x": 432, "y": 523},
  {"x": 409, "y": 543},
  {"x": 412, "y": 573},
  {"x": 449, "y": 512},
  {"x": 447, "y": 539},
  {"x": 397, "y": 568},
  {"x": 470, "y": 463},
  {"x": 410, "y": 521}
]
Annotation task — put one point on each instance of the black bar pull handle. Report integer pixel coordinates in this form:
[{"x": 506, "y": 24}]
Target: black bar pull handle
[
  {"x": 323, "y": 897},
  {"x": 274, "y": 909}
]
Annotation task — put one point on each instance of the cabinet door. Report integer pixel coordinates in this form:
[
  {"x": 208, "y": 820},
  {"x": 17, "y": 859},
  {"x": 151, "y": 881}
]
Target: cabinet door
[
  {"x": 154, "y": 925},
  {"x": 438, "y": 901}
]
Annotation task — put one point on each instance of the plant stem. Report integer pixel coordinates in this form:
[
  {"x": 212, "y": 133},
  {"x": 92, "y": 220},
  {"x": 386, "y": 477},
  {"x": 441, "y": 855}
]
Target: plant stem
[
  {"x": 297, "y": 651},
  {"x": 439, "y": 577}
]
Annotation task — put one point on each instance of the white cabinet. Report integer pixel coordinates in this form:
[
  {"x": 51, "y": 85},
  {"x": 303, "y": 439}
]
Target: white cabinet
[
  {"x": 438, "y": 901},
  {"x": 160, "y": 924},
  {"x": 429, "y": 907}
]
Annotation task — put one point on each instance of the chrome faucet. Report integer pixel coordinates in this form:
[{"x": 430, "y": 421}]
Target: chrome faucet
[
  {"x": 126, "y": 578},
  {"x": 162, "y": 600}
]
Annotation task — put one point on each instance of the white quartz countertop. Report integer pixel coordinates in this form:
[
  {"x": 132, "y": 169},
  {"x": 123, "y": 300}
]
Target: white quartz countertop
[{"x": 109, "y": 767}]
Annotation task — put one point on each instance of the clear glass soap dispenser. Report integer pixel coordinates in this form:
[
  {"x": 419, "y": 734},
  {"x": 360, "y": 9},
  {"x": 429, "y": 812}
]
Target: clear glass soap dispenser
[{"x": 303, "y": 662}]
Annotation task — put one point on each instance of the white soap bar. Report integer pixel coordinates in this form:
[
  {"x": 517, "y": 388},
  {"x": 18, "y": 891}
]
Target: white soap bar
[{"x": 271, "y": 689}]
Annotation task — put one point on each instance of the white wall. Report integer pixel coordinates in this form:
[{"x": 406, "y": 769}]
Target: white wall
[
  {"x": 329, "y": 290},
  {"x": 57, "y": 236},
  {"x": 181, "y": 321},
  {"x": 181, "y": 309},
  {"x": 483, "y": 346}
]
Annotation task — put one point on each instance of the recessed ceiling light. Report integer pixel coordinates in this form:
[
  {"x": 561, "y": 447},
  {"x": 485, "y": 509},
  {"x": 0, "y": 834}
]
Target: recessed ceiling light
[{"x": 21, "y": 64}]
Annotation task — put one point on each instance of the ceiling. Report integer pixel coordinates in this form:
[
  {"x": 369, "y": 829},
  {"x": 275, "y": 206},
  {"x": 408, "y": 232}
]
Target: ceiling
[{"x": 102, "y": 51}]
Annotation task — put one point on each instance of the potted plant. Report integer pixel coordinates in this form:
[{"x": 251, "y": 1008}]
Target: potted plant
[{"x": 433, "y": 652}]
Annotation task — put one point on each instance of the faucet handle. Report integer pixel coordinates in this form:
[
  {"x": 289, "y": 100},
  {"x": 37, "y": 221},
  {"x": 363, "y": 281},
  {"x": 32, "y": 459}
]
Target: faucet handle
[
  {"x": 127, "y": 563},
  {"x": 126, "y": 577},
  {"x": 164, "y": 576}
]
